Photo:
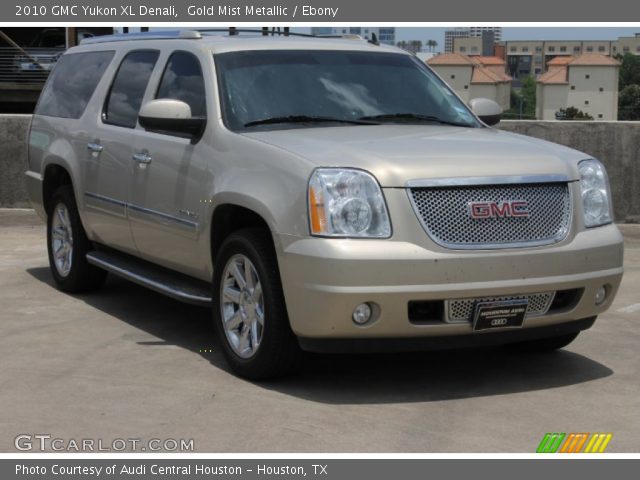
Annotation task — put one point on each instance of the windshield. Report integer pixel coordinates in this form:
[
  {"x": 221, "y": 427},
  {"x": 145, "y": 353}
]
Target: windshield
[{"x": 319, "y": 88}]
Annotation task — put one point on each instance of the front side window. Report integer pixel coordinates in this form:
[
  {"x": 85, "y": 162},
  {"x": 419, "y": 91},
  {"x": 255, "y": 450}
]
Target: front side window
[
  {"x": 127, "y": 91},
  {"x": 346, "y": 86},
  {"x": 72, "y": 83},
  {"x": 182, "y": 80}
]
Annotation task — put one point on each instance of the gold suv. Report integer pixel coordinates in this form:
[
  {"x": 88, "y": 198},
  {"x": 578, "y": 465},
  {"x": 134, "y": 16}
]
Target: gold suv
[{"x": 316, "y": 194}]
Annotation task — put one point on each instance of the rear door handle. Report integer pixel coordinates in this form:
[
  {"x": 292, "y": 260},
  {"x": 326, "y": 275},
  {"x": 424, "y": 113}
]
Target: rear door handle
[
  {"x": 95, "y": 147},
  {"x": 142, "y": 157}
]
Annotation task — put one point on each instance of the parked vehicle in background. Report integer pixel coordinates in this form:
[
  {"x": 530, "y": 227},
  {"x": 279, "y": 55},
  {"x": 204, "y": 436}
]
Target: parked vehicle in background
[
  {"x": 325, "y": 195},
  {"x": 43, "y": 52}
]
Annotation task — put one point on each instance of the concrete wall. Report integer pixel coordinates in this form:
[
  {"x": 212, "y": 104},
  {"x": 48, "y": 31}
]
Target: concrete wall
[
  {"x": 13, "y": 160},
  {"x": 617, "y": 144}
]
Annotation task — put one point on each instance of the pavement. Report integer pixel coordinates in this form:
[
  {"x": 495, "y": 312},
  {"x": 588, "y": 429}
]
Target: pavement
[{"x": 127, "y": 363}]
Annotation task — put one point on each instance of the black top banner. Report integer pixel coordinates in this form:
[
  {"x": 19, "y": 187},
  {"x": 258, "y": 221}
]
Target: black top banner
[{"x": 316, "y": 11}]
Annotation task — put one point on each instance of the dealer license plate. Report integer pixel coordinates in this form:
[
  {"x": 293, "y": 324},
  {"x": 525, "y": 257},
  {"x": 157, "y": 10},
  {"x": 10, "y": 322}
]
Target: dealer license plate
[{"x": 508, "y": 313}]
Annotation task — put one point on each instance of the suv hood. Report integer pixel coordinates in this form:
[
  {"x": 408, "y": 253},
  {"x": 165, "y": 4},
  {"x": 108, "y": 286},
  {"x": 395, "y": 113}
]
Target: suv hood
[{"x": 396, "y": 154}]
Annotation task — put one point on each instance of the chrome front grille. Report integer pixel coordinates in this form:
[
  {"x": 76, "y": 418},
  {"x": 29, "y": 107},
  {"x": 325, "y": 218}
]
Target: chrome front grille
[
  {"x": 462, "y": 309},
  {"x": 444, "y": 213}
]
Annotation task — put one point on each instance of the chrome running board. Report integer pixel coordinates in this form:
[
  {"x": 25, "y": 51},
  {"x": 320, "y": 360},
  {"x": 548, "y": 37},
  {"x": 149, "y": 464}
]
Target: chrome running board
[{"x": 172, "y": 284}]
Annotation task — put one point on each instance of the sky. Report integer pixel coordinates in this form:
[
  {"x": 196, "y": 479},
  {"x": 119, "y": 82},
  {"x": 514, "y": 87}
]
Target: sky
[{"x": 511, "y": 33}]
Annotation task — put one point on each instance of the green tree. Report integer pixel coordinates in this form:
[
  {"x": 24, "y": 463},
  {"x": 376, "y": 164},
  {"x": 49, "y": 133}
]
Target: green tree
[
  {"x": 415, "y": 46},
  {"x": 629, "y": 103},
  {"x": 572, "y": 113},
  {"x": 523, "y": 100},
  {"x": 629, "y": 70},
  {"x": 529, "y": 94}
]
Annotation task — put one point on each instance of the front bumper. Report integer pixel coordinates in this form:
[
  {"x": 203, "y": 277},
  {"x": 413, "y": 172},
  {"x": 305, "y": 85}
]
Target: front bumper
[{"x": 325, "y": 279}]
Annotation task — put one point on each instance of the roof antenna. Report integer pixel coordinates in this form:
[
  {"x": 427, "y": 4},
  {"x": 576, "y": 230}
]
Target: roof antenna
[{"x": 374, "y": 39}]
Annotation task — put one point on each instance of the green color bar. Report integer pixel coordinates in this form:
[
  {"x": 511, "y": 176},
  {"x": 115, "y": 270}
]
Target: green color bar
[
  {"x": 557, "y": 443},
  {"x": 543, "y": 443},
  {"x": 550, "y": 442}
]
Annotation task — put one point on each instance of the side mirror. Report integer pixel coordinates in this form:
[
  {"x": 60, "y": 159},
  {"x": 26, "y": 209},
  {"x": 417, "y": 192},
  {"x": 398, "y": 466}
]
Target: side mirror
[
  {"x": 171, "y": 116},
  {"x": 487, "y": 110}
]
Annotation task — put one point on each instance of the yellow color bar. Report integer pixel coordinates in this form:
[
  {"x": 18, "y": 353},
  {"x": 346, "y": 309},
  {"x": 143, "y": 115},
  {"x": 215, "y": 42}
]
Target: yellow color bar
[
  {"x": 591, "y": 442},
  {"x": 606, "y": 441},
  {"x": 598, "y": 443}
]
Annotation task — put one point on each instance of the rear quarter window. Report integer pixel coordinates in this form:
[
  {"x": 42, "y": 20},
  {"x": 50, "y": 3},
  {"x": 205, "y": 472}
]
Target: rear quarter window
[{"x": 72, "y": 83}]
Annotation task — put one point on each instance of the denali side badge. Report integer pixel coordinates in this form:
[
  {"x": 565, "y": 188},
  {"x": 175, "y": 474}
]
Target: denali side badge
[{"x": 504, "y": 209}]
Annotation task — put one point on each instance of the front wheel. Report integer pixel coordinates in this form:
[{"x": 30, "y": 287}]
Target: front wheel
[{"x": 249, "y": 311}]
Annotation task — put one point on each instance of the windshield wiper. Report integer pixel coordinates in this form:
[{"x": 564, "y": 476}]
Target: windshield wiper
[
  {"x": 308, "y": 119},
  {"x": 413, "y": 117}
]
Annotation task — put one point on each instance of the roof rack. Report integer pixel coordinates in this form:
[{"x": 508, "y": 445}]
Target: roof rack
[
  {"x": 264, "y": 31},
  {"x": 197, "y": 34},
  {"x": 166, "y": 35}
]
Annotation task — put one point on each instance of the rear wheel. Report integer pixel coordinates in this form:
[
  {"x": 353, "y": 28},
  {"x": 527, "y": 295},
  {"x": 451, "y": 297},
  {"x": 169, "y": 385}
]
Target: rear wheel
[
  {"x": 67, "y": 245},
  {"x": 249, "y": 311},
  {"x": 546, "y": 344}
]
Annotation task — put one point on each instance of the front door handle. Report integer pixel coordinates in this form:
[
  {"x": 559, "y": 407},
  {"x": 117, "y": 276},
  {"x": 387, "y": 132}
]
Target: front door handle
[
  {"x": 142, "y": 157},
  {"x": 95, "y": 147}
]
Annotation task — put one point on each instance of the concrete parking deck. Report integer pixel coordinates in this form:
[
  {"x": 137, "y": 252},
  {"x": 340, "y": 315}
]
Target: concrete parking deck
[{"x": 128, "y": 363}]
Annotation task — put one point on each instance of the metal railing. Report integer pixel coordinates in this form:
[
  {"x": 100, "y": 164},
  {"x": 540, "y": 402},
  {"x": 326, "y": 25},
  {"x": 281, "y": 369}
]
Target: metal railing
[{"x": 27, "y": 66}]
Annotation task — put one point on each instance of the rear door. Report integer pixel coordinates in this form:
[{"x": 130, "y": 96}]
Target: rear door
[
  {"x": 109, "y": 151},
  {"x": 169, "y": 178}
]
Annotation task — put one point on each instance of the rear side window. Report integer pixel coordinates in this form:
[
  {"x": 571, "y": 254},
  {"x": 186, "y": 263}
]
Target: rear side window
[
  {"x": 72, "y": 83},
  {"x": 125, "y": 97},
  {"x": 182, "y": 80}
]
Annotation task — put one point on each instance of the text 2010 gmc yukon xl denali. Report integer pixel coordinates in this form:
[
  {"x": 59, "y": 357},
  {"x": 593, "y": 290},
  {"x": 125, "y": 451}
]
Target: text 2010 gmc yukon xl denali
[{"x": 317, "y": 194}]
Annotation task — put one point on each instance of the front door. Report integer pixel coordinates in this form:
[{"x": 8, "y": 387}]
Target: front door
[{"x": 169, "y": 178}]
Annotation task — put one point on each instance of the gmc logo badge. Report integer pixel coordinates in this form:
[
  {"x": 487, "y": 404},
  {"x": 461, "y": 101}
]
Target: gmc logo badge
[{"x": 504, "y": 209}]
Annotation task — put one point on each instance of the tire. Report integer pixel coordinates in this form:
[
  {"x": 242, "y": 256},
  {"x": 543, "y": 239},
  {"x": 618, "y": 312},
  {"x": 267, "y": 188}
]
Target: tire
[
  {"x": 253, "y": 328},
  {"x": 545, "y": 344},
  {"x": 72, "y": 273}
]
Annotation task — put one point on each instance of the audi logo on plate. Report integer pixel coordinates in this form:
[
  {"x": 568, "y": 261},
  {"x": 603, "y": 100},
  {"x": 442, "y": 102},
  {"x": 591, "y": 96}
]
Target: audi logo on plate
[{"x": 504, "y": 209}]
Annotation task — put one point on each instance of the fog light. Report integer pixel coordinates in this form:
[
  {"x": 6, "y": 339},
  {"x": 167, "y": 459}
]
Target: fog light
[
  {"x": 601, "y": 295},
  {"x": 362, "y": 313}
]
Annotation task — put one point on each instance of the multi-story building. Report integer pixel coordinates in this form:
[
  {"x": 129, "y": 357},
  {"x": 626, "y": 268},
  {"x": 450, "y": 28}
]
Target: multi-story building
[
  {"x": 474, "y": 77},
  {"x": 451, "y": 35},
  {"x": 469, "y": 32},
  {"x": 385, "y": 35},
  {"x": 627, "y": 45},
  {"x": 478, "y": 31},
  {"x": 588, "y": 82},
  {"x": 531, "y": 57}
]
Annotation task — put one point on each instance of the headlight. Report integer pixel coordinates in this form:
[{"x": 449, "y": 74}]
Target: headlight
[
  {"x": 347, "y": 203},
  {"x": 596, "y": 196}
]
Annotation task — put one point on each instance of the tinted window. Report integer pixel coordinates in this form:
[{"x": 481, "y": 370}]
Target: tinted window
[
  {"x": 125, "y": 97},
  {"x": 182, "y": 80},
  {"x": 71, "y": 84},
  {"x": 343, "y": 85}
]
